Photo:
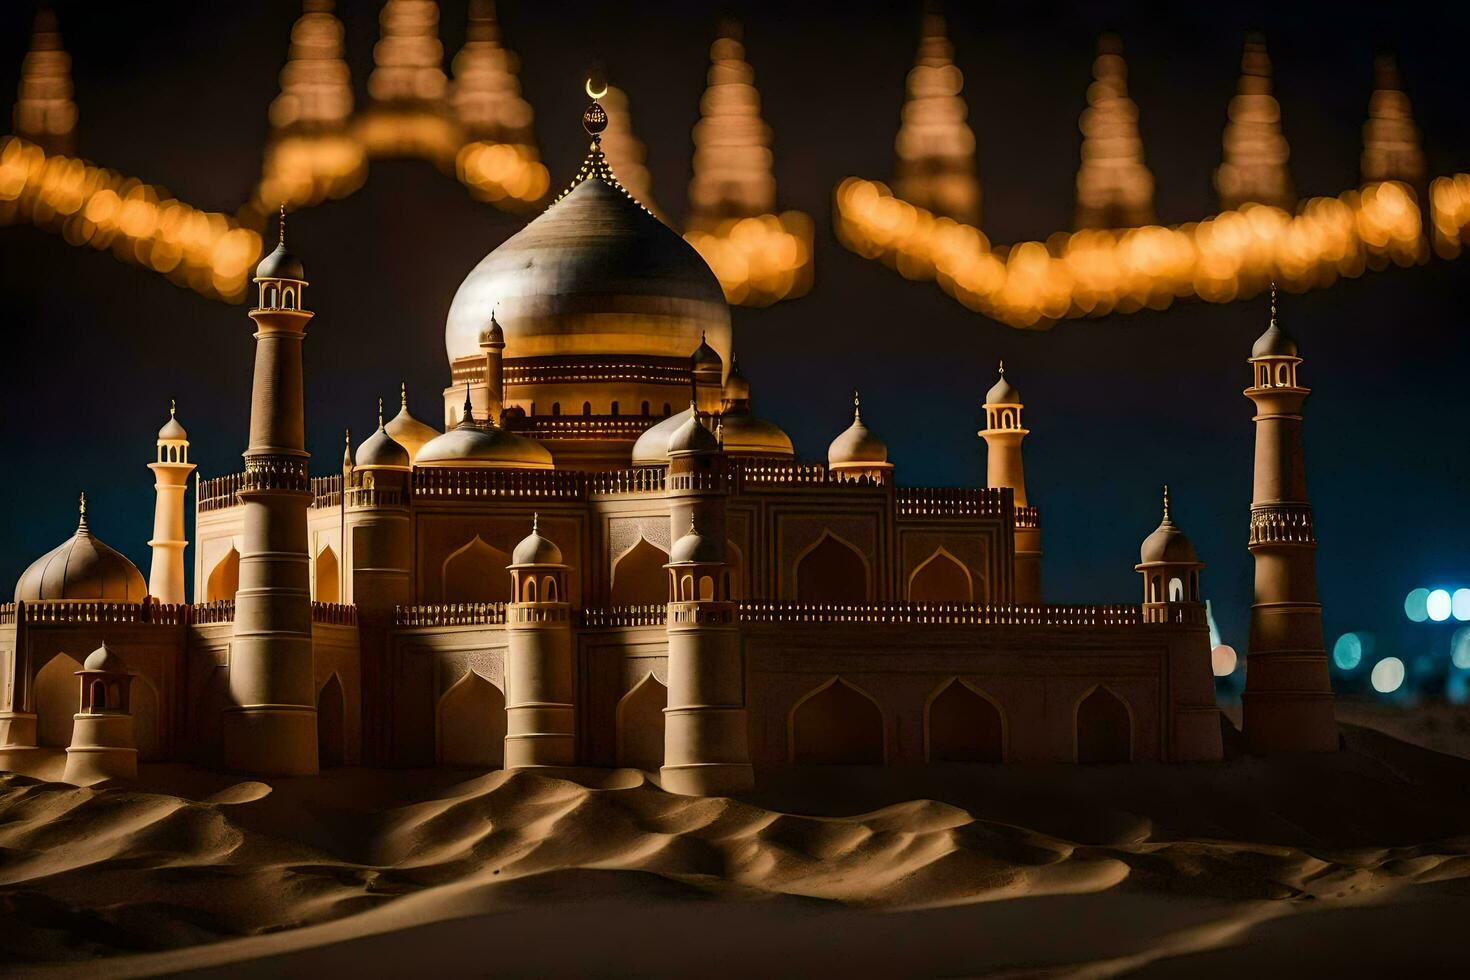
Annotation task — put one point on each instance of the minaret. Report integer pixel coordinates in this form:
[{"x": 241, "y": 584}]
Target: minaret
[
  {"x": 1003, "y": 434},
  {"x": 492, "y": 347},
  {"x": 706, "y": 742},
  {"x": 540, "y": 712},
  {"x": 1288, "y": 697},
  {"x": 170, "y": 482},
  {"x": 271, "y": 729}
]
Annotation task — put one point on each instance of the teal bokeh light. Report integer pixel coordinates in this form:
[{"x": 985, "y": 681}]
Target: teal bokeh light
[
  {"x": 1347, "y": 652},
  {"x": 1416, "y": 605},
  {"x": 1388, "y": 675},
  {"x": 1460, "y": 648},
  {"x": 1460, "y": 605}
]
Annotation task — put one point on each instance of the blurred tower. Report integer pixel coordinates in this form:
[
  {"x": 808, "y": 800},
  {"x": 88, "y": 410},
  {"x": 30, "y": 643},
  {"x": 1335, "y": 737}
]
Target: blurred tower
[
  {"x": 409, "y": 114},
  {"x": 1254, "y": 164},
  {"x": 624, "y": 152},
  {"x": 1003, "y": 434},
  {"x": 1391, "y": 149},
  {"x": 44, "y": 111},
  {"x": 935, "y": 147},
  {"x": 1288, "y": 696},
  {"x": 271, "y": 728},
  {"x": 706, "y": 743},
  {"x": 540, "y": 713},
  {"x": 170, "y": 482},
  {"x": 311, "y": 155},
  {"x": 1114, "y": 187},
  {"x": 499, "y": 161}
]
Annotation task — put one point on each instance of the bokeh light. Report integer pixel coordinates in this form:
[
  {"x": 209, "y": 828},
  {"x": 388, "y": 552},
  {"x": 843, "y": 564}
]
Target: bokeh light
[
  {"x": 1347, "y": 652},
  {"x": 1437, "y": 605},
  {"x": 1460, "y": 605},
  {"x": 1223, "y": 660},
  {"x": 1416, "y": 605},
  {"x": 1460, "y": 648},
  {"x": 1388, "y": 675}
]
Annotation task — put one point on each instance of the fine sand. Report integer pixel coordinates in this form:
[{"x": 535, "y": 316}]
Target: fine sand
[{"x": 1351, "y": 864}]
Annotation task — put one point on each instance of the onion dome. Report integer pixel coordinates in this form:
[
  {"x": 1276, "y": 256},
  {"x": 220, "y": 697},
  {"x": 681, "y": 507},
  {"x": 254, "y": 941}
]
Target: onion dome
[
  {"x": 381, "y": 450},
  {"x": 494, "y": 334},
  {"x": 281, "y": 264},
  {"x": 595, "y": 273},
  {"x": 652, "y": 447},
  {"x": 1167, "y": 544},
  {"x": 104, "y": 659},
  {"x": 172, "y": 431},
  {"x": 857, "y": 446},
  {"x": 737, "y": 388},
  {"x": 82, "y": 569},
  {"x": 408, "y": 431},
  {"x": 1275, "y": 342},
  {"x": 749, "y": 435},
  {"x": 535, "y": 549},
  {"x": 694, "y": 547},
  {"x": 705, "y": 356},
  {"x": 692, "y": 436},
  {"x": 483, "y": 446},
  {"x": 1002, "y": 392}
]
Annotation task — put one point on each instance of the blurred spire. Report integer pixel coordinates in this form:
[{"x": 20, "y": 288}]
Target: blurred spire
[
  {"x": 1391, "y": 147},
  {"x": 44, "y": 111},
  {"x": 1114, "y": 187},
  {"x": 409, "y": 115},
  {"x": 1254, "y": 165},
  {"x": 732, "y": 143},
  {"x": 935, "y": 147}
]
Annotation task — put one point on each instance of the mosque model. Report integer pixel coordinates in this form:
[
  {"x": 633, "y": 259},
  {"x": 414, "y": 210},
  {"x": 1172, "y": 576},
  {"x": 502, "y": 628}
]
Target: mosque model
[{"x": 590, "y": 568}]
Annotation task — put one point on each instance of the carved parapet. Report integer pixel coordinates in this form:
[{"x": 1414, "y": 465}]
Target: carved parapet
[
  {"x": 623, "y": 616},
  {"x": 219, "y": 611},
  {"x": 69, "y": 611},
  {"x": 955, "y": 614},
  {"x": 1282, "y": 524},
  {"x": 642, "y": 480},
  {"x": 451, "y": 614},
  {"x": 276, "y": 474},
  {"x": 701, "y": 613},
  {"x": 448, "y": 483},
  {"x": 367, "y": 497},
  {"x": 1028, "y": 519},
  {"x": 521, "y": 613},
  {"x": 951, "y": 502},
  {"x": 334, "y": 613},
  {"x": 218, "y": 492},
  {"x": 7, "y": 614},
  {"x": 698, "y": 480},
  {"x": 326, "y": 491}
]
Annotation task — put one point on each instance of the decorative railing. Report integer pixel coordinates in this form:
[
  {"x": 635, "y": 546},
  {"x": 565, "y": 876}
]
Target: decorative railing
[
  {"x": 582, "y": 426},
  {"x": 7, "y": 614},
  {"x": 276, "y": 473},
  {"x": 326, "y": 491},
  {"x": 708, "y": 480},
  {"x": 758, "y": 472},
  {"x": 714, "y": 613},
  {"x": 913, "y": 613},
  {"x": 333, "y": 614},
  {"x": 538, "y": 612},
  {"x": 639, "y": 370},
  {"x": 70, "y": 611},
  {"x": 1189, "y": 613},
  {"x": 1282, "y": 524},
  {"x": 451, "y": 614},
  {"x": 374, "y": 497},
  {"x": 219, "y": 611},
  {"x": 950, "y": 501},
  {"x": 617, "y": 616},
  {"x": 219, "y": 492},
  {"x": 449, "y": 484},
  {"x": 645, "y": 479},
  {"x": 1027, "y": 518}
]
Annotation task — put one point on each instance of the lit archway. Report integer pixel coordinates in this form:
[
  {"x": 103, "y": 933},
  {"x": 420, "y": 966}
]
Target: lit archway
[
  {"x": 836, "y": 724},
  {"x": 941, "y": 578},
  {"x": 328, "y": 580},
  {"x": 1103, "y": 727},
  {"x": 471, "y": 725},
  {"x": 638, "y": 577},
  {"x": 224, "y": 580},
  {"x": 963, "y": 724},
  {"x": 477, "y": 572},
  {"x": 331, "y": 724},
  {"x": 55, "y": 699},
  {"x": 832, "y": 572},
  {"x": 640, "y": 721}
]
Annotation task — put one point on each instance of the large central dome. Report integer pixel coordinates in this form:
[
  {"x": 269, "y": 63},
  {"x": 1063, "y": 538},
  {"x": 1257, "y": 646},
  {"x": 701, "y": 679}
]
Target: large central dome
[{"x": 595, "y": 274}]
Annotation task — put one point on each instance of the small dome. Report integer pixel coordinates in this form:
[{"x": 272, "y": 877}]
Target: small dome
[
  {"x": 381, "y": 449},
  {"x": 82, "y": 568},
  {"x": 745, "y": 434},
  {"x": 487, "y": 447},
  {"x": 1275, "y": 342},
  {"x": 280, "y": 264},
  {"x": 652, "y": 447},
  {"x": 695, "y": 547},
  {"x": 535, "y": 549},
  {"x": 1167, "y": 543},
  {"x": 857, "y": 445},
  {"x": 692, "y": 436},
  {"x": 737, "y": 388},
  {"x": 409, "y": 432},
  {"x": 172, "y": 431},
  {"x": 1002, "y": 392},
  {"x": 706, "y": 356},
  {"x": 103, "y": 658},
  {"x": 493, "y": 335}
]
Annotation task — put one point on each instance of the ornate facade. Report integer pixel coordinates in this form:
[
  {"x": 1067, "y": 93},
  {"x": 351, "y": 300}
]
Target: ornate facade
[{"x": 607, "y": 559}]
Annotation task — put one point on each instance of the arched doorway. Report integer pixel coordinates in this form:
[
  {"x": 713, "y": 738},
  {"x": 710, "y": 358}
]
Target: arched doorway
[
  {"x": 837, "y": 724},
  {"x": 331, "y": 724},
  {"x": 224, "y": 581},
  {"x": 832, "y": 572},
  {"x": 1104, "y": 728},
  {"x": 941, "y": 578},
  {"x": 964, "y": 726},
  {"x": 477, "y": 573},
  {"x": 638, "y": 576},
  {"x": 143, "y": 701},
  {"x": 55, "y": 698},
  {"x": 328, "y": 582},
  {"x": 641, "y": 725},
  {"x": 472, "y": 725}
]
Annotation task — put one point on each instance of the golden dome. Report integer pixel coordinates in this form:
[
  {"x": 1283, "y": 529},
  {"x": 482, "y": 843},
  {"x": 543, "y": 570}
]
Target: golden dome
[
  {"x": 483, "y": 446},
  {"x": 595, "y": 273},
  {"x": 381, "y": 450},
  {"x": 652, "y": 447},
  {"x": 692, "y": 436},
  {"x": 408, "y": 431},
  {"x": 857, "y": 446},
  {"x": 744, "y": 434},
  {"x": 82, "y": 568}
]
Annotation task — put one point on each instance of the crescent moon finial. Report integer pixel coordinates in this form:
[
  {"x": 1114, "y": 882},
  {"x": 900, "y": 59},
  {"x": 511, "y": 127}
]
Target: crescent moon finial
[{"x": 597, "y": 94}]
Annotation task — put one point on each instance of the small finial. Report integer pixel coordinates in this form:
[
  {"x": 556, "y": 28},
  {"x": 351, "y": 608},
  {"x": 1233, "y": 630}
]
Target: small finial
[
  {"x": 857, "y": 406},
  {"x": 281, "y": 225},
  {"x": 1166, "y": 502},
  {"x": 82, "y": 506},
  {"x": 691, "y": 523},
  {"x": 380, "y": 413},
  {"x": 594, "y": 117},
  {"x": 469, "y": 410},
  {"x": 536, "y": 522},
  {"x": 693, "y": 409},
  {"x": 1273, "y": 302},
  {"x": 403, "y": 395},
  {"x": 173, "y": 408},
  {"x": 1002, "y": 368}
]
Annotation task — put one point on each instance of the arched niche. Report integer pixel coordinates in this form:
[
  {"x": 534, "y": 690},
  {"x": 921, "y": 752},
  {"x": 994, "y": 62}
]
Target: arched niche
[
  {"x": 1103, "y": 727},
  {"x": 735, "y": 563},
  {"x": 836, "y": 724},
  {"x": 941, "y": 578},
  {"x": 476, "y": 572},
  {"x": 143, "y": 700},
  {"x": 328, "y": 577},
  {"x": 640, "y": 721},
  {"x": 55, "y": 698},
  {"x": 224, "y": 579},
  {"x": 832, "y": 571},
  {"x": 471, "y": 725},
  {"x": 331, "y": 724},
  {"x": 963, "y": 724},
  {"x": 638, "y": 576}
]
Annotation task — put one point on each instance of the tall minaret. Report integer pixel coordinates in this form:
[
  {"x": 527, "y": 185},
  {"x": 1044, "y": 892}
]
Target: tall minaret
[
  {"x": 170, "y": 482},
  {"x": 271, "y": 728},
  {"x": 1003, "y": 433},
  {"x": 1288, "y": 697}
]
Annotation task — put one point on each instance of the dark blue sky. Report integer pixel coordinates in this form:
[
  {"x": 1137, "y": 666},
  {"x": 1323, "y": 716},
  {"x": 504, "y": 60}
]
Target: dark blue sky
[{"x": 178, "y": 96}]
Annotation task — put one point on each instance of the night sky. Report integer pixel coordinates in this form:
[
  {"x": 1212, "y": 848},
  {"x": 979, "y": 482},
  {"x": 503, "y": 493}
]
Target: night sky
[{"x": 176, "y": 94}]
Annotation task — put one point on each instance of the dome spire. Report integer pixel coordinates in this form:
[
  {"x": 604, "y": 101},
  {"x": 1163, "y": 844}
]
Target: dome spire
[
  {"x": 857, "y": 406},
  {"x": 469, "y": 409},
  {"x": 536, "y": 522},
  {"x": 380, "y": 413},
  {"x": 403, "y": 395},
  {"x": 1166, "y": 505},
  {"x": 173, "y": 408},
  {"x": 82, "y": 508},
  {"x": 281, "y": 226}
]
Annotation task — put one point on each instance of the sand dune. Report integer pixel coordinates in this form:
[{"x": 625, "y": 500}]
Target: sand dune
[{"x": 301, "y": 876}]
